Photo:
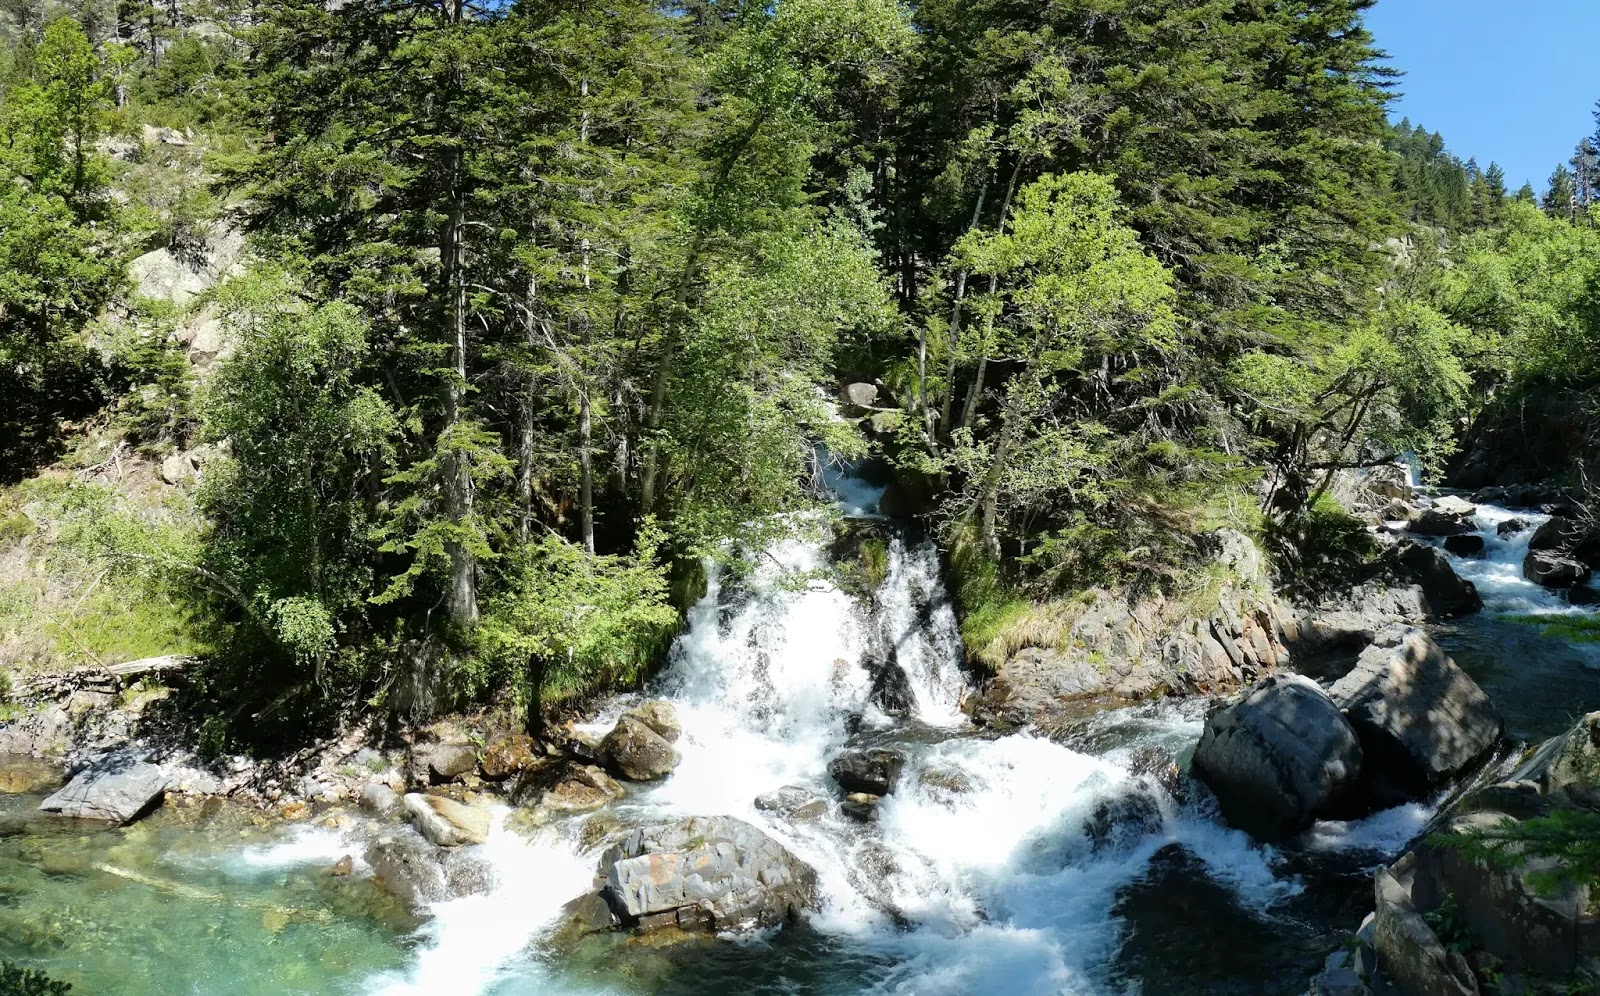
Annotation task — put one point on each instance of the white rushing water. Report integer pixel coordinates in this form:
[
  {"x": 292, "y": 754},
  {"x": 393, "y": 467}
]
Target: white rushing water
[{"x": 997, "y": 864}]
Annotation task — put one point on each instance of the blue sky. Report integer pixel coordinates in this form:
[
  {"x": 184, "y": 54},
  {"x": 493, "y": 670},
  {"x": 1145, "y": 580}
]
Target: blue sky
[{"x": 1509, "y": 82}]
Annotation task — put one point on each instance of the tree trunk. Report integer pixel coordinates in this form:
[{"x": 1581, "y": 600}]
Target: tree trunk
[
  {"x": 462, "y": 602},
  {"x": 990, "y": 502},
  {"x": 955, "y": 325},
  {"x": 585, "y": 414}
]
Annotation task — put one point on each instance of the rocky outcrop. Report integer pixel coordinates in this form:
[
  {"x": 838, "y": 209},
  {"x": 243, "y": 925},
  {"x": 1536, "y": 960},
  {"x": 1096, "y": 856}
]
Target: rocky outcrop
[
  {"x": 874, "y": 772},
  {"x": 118, "y": 788},
  {"x": 446, "y": 822},
  {"x": 715, "y": 873},
  {"x": 1420, "y": 719},
  {"x": 638, "y": 753},
  {"x": 1551, "y": 569},
  {"x": 1278, "y": 756},
  {"x": 1108, "y": 645}
]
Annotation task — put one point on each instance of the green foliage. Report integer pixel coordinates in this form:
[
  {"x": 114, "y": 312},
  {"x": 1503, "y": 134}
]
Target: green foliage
[
  {"x": 570, "y": 623},
  {"x": 18, "y": 981},
  {"x": 1321, "y": 552},
  {"x": 1571, "y": 837}
]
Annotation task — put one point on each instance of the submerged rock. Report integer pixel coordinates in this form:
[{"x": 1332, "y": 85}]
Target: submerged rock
[
  {"x": 1278, "y": 756},
  {"x": 1420, "y": 719},
  {"x": 21, "y": 774},
  {"x": 706, "y": 872},
  {"x": 637, "y": 752},
  {"x": 875, "y": 771},
  {"x": 446, "y": 822},
  {"x": 117, "y": 788},
  {"x": 408, "y": 868}
]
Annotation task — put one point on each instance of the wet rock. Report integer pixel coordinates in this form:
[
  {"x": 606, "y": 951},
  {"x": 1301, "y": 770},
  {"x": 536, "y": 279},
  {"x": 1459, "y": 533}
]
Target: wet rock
[
  {"x": 862, "y": 806},
  {"x": 1552, "y": 570},
  {"x": 447, "y": 762},
  {"x": 379, "y": 799},
  {"x": 467, "y": 873},
  {"x": 1278, "y": 756},
  {"x": 1512, "y": 527},
  {"x": 793, "y": 802},
  {"x": 507, "y": 754},
  {"x": 446, "y": 822},
  {"x": 566, "y": 787},
  {"x": 586, "y": 915},
  {"x": 343, "y": 867},
  {"x": 117, "y": 788},
  {"x": 1339, "y": 977},
  {"x": 637, "y": 752},
  {"x": 875, "y": 771},
  {"x": 1465, "y": 545},
  {"x": 1161, "y": 768},
  {"x": 891, "y": 689},
  {"x": 706, "y": 872},
  {"x": 1420, "y": 719},
  {"x": 661, "y": 716},
  {"x": 406, "y": 867},
  {"x": 1124, "y": 819}
]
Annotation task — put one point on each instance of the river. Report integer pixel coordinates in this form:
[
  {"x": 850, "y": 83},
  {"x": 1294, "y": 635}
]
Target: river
[{"x": 1005, "y": 864}]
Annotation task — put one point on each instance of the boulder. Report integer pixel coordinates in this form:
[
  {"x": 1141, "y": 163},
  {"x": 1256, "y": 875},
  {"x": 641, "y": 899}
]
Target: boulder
[
  {"x": 1445, "y": 594},
  {"x": 566, "y": 787},
  {"x": 446, "y": 822},
  {"x": 507, "y": 754},
  {"x": 861, "y": 395},
  {"x": 1447, "y": 516},
  {"x": 795, "y": 803},
  {"x": 1278, "y": 756},
  {"x": 875, "y": 771},
  {"x": 661, "y": 716},
  {"x": 1511, "y": 527},
  {"x": 637, "y": 752},
  {"x": 1420, "y": 719},
  {"x": 705, "y": 872},
  {"x": 1452, "y": 505},
  {"x": 1391, "y": 480},
  {"x": 861, "y": 806},
  {"x": 1552, "y": 570},
  {"x": 447, "y": 762},
  {"x": 1464, "y": 545},
  {"x": 1556, "y": 533},
  {"x": 118, "y": 788}
]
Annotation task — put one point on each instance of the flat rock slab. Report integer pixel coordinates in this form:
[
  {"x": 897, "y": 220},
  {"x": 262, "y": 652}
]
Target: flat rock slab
[{"x": 116, "y": 789}]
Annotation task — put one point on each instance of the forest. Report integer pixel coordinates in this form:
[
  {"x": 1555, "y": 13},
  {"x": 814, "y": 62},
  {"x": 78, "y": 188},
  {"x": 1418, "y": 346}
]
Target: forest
[{"x": 544, "y": 303}]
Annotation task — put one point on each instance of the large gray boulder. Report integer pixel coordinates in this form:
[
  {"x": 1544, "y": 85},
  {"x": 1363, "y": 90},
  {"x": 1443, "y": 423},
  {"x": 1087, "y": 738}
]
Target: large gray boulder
[
  {"x": 118, "y": 788},
  {"x": 1448, "y": 516},
  {"x": 1411, "y": 955},
  {"x": 637, "y": 752},
  {"x": 716, "y": 872},
  {"x": 1420, "y": 719},
  {"x": 447, "y": 762},
  {"x": 1554, "y": 570},
  {"x": 1278, "y": 756}
]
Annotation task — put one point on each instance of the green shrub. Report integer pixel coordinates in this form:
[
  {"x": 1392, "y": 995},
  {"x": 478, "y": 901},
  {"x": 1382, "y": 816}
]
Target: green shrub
[{"x": 18, "y": 981}]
